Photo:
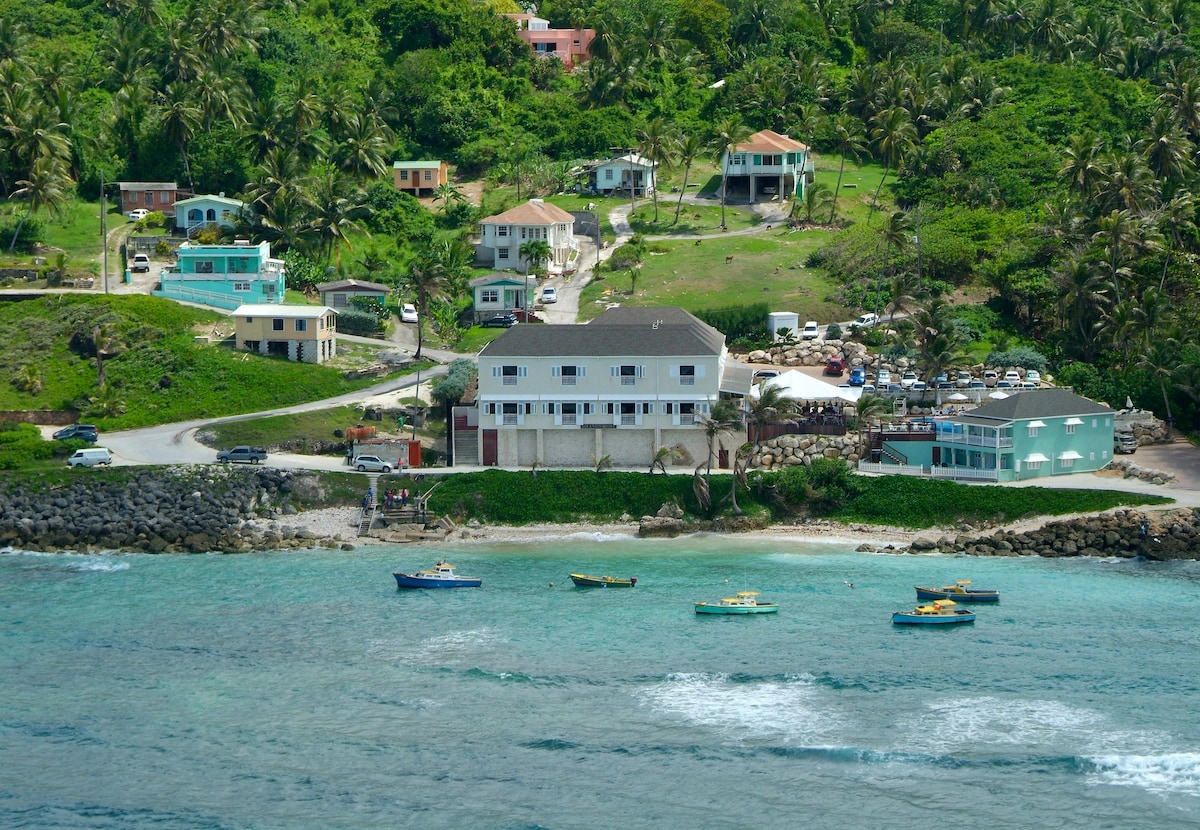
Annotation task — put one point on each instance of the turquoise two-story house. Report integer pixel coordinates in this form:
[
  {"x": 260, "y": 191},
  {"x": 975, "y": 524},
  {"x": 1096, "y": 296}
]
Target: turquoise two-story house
[
  {"x": 1031, "y": 434},
  {"x": 224, "y": 276}
]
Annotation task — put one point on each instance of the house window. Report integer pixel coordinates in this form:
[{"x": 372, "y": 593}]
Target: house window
[
  {"x": 1066, "y": 462},
  {"x": 1033, "y": 465},
  {"x": 204, "y": 266},
  {"x": 737, "y": 159},
  {"x": 509, "y": 375},
  {"x": 772, "y": 161},
  {"x": 339, "y": 301},
  {"x": 627, "y": 374},
  {"x": 502, "y": 230},
  {"x": 687, "y": 413},
  {"x": 1033, "y": 431},
  {"x": 628, "y": 414},
  {"x": 502, "y": 253},
  {"x": 510, "y": 413},
  {"x": 1070, "y": 429},
  {"x": 268, "y": 288},
  {"x": 687, "y": 375},
  {"x": 569, "y": 411},
  {"x": 489, "y": 295},
  {"x": 301, "y": 325},
  {"x": 403, "y": 175},
  {"x": 149, "y": 199},
  {"x": 211, "y": 215},
  {"x": 569, "y": 374},
  {"x": 277, "y": 324},
  {"x": 608, "y": 174},
  {"x": 428, "y": 175},
  {"x": 243, "y": 286},
  {"x": 524, "y": 231}
]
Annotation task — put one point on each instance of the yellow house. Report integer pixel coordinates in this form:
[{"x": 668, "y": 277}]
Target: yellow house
[
  {"x": 299, "y": 332},
  {"x": 418, "y": 176}
]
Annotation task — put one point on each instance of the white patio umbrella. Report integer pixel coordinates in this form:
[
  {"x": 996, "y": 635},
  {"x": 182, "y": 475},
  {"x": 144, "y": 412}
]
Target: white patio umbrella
[
  {"x": 958, "y": 397},
  {"x": 998, "y": 396}
]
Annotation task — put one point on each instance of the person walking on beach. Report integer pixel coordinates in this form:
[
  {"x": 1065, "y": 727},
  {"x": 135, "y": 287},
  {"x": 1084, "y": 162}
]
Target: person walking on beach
[{"x": 404, "y": 497}]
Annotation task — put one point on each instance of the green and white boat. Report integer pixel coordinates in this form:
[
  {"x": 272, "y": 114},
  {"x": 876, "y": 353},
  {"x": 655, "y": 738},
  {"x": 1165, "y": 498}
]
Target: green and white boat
[{"x": 746, "y": 602}]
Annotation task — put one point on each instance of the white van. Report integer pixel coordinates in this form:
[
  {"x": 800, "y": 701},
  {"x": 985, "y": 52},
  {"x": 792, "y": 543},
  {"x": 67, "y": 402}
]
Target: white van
[{"x": 90, "y": 457}]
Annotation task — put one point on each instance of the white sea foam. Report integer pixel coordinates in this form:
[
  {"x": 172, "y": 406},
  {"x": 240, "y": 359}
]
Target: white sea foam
[
  {"x": 1167, "y": 774},
  {"x": 105, "y": 562},
  {"x": 759, "y": 708},
  {"x": 454, "y": 645},
  {"x": 992, "y": 721}
]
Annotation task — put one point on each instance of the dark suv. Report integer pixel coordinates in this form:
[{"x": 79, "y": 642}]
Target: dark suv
[
  {"x": 500, "y": 321},
  {"x": 84, "y": 432}
]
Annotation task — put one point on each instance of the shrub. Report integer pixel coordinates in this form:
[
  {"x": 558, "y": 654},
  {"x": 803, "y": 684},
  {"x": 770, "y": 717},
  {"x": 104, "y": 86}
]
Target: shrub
[
  {"x": 354, "y": 321},
  {"x": 737, "y": 321},
  {"x": 1022, "y": 357}
]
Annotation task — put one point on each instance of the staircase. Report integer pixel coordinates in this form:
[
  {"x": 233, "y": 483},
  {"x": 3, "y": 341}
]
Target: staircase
[{"x": 368, "y": 518}]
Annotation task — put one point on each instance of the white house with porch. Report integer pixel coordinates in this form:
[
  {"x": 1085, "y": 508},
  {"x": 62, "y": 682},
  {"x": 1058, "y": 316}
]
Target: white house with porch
[
  {"x": 768, "y": 164},
  {"x": 622, "y": 173},
  {"x": 501, "y": 237},
  {"x": 198, "y": 212}
]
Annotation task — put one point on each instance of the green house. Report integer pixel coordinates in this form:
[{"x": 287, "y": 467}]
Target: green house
[{"x": 1031, "y": 434}]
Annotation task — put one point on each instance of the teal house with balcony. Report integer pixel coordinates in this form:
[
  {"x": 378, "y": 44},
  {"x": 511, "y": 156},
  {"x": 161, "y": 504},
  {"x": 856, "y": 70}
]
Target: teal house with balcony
[
  {"x": 224, "y": 276},
  {"x": 1034, "y": 433}
]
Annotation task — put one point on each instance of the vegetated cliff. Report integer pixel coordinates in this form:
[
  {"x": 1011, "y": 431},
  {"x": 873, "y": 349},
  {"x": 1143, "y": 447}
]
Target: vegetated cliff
[{"x": 168, "y": 510}]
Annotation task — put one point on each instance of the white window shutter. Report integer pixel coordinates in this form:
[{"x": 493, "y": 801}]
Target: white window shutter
[
  {"x": 555, "y": 371},
  {"x": 581, "y": 371}
]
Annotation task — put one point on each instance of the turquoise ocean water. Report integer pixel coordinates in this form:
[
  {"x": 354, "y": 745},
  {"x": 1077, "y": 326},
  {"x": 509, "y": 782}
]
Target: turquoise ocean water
[{"x": 302, "y": 690}]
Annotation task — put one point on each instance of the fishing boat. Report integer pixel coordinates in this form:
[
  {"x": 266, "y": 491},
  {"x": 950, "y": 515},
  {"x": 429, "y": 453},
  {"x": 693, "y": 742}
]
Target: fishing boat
[
  {"x": 585, "y": 581},
  {"x": 960, "y": 591},
  {"x": 746, "y": 602},
  {"x": 941, "y": 612},
  {"x": 441, "y": 575}
]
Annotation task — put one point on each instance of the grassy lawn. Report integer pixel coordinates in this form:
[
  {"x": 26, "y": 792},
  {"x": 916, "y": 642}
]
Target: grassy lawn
[
  {"x": 694, "y": 220},
  {"x": 77, "y": 233},
  {"x": 767, "y": 266}
]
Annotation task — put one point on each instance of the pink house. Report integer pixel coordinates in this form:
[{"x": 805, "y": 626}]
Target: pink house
[{"x": 568, "y": 45}]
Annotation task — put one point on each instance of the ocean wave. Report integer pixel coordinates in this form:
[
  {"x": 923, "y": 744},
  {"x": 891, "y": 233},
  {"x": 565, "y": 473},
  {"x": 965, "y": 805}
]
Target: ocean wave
[
  {"x": 103, "y": 562},
  {"x": 991, "y": 721},
  {"x": 1175, "y": 773},
  {"x": 789, "y": 705}
]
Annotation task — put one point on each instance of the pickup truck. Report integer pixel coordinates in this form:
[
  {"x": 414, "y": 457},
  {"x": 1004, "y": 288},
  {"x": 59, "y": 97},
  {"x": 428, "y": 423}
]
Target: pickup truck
[{"x": 247, "y": 455}]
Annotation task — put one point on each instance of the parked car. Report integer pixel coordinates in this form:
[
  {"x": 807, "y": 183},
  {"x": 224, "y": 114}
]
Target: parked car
[
  {"x": 1012, "y": 376},
  {"x": 765, "y": 374},
  {"x": 835, "y": 366},
  {"x": 858, "y": 376},
  {"x": 371, "y": 464},
  {"x": 408, "y": 313},
  {"x": 908, "y": 379},
  {"x": 919, "y": 386},
  {"x": 977, "y": 384},
  {"x": 84, "y": 432},
  {"x": 90, "y": 457},
  {"x": 1033, "y": 376},
  {"x": 1005, "y": 384},
  {"x": 990, "y": 376},
  {"x": 138, "y": 215},
  {"x": 549, "y": 294},
  {"x": 865, "y": 321},
  {"x": 868, "y": 389},
  {"x": 963, "y": 380},
  {"x": 242, "y": 455},
  {"x": 1124, "y": 443},
  {"x": 883, "y": 378},
  {"x": 500, "y": 321},
  {"x": 140, "y": 263},
  {"x": 811, "y": 331}
]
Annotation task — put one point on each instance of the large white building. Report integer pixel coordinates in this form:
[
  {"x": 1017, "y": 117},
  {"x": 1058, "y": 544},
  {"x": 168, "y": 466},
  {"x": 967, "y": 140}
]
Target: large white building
[
  {"x": 631, "y": 381},
  {"x": 501, "y": 237}
]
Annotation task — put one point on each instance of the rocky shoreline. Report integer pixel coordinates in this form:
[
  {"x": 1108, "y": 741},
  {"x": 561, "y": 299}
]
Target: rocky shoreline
[{"x": 171, "y": 510}]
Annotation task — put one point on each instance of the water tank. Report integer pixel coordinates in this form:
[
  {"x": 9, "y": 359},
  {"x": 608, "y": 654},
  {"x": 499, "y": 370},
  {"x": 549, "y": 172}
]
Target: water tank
[{"x": 777, "y": 320}]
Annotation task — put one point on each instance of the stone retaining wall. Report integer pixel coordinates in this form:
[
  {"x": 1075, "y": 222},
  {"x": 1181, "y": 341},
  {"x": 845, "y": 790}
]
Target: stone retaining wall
[
  {"x": 790, "y": 450},
  {"x": 1125, "y": 533},
  {"x": 172, "y": 510}
]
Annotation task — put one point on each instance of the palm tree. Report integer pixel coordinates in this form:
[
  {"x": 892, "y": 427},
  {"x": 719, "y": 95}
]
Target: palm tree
[
  {"x": 816, "y": 198},
  {"x": 1178, "y": 215},
  {"x": 730, "y": 134},
  {"x": 869, "y": 407},
  {"x": 770, "y": 407},
  {"x": 688, "y": 148},
  {"x": 534, "y": 252},
  {"x": 362, "y": 147},
  {"x": 894, "y": 135},
  {"x": 722, "y": 420},
  {"x": 428, "y": 282},
  {"x": 655, "y": 144},
  {"x": 1082, "y": 168},
  {"x": 895, "y": 233},
  {"x": 1161, "y": 360},
  {"x": 45, "y": 189},
  {"x": 338, "y": 206},
  {"x": 180, "y": 120},
  {"x": 850, "y": 140},
  {"x": 447, "y": 193}
]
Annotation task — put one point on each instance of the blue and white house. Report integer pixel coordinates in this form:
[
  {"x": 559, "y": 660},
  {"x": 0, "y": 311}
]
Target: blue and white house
[
  {"x": 500, "y": 292},
  {"x": 1035, "y": 433},
  {"x": 199, "y": 211},
  {"x": 768, "y": 164},
  {"x": 224, "y": 276}
]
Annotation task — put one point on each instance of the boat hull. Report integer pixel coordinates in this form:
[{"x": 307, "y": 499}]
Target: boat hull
[
  {"x": 909, "y": 618},
  {"x": 585, "y": 581},
  {"x": 957, "y": 596},
  {"x": 707, "y": 608},
  {"x": 418, "y": 581}
]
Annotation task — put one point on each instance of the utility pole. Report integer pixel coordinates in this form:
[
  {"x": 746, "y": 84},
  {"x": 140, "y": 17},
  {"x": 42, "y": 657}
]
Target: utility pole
[{"x": 104, "y": 232}]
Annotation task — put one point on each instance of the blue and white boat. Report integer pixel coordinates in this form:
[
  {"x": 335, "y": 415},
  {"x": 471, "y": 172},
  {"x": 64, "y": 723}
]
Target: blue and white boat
[
  {"x": 960, "y": 591},
  {"x": 941, "y": 612},
  {"x": 441, "y": 575}
]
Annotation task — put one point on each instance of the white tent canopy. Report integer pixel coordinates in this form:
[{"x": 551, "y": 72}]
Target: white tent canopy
[{"x": 801, "y": 387}]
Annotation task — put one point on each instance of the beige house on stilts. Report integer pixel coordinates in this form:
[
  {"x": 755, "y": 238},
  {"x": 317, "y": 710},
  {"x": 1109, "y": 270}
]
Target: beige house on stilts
[{"x": 307, "y": 334}]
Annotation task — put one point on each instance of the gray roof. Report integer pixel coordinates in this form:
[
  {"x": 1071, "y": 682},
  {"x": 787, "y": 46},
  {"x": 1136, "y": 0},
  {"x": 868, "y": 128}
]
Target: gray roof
[
  {"x": 1033, "y": 403},
  {"x": 357, "y": 285},
  {"x": 499, "y": 277},
  {"x": 627, "y": 332}
]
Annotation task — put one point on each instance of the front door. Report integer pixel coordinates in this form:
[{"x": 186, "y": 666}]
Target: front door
[{"x": 490, "y": 451}]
